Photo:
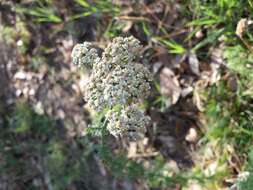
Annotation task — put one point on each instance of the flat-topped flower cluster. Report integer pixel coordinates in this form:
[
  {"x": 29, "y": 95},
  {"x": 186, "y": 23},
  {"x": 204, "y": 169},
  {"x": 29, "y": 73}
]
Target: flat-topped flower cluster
[{"x": 116, "y": 80}]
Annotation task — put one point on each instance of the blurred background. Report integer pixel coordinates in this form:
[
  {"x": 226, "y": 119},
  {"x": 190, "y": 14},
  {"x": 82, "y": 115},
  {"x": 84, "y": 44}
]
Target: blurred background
[{"x": 201, "y": 105}]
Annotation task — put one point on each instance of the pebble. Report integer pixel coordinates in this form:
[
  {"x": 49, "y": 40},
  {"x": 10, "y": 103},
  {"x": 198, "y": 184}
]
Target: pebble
[
  {"x": 20, "y": 75},
  {"x": 192, "y": 135}
]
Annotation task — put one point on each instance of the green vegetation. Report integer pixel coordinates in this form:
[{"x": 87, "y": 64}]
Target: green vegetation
[{"x": 41, "y": 11}]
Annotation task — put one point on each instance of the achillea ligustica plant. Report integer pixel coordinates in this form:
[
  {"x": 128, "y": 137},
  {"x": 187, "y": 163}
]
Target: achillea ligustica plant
[{"x": 117, "y": 84}]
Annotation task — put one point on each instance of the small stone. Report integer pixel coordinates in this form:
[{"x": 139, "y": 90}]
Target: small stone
[
  {"x": 20, "y": 43},
  {"x": 199, "y": 34},
  {"x": 31, "y": 92},
  {"x": 29, "y": 76},
  {"x": 21, "y": 75},
  {"x": 61, "y": 114},
  {"x": 18, "y": 92},
  {"x": 10, "y": 101},
  {"x": 38, "y": 108},
  {"x": 25, "y": 90},
  {"x": 192, "y": 135},
  {"x": 75, "y": 88}
]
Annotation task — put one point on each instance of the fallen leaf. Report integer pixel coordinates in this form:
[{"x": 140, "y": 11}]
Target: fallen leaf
[
  {"x": 194, "y": 186},
  {"x": 169, "y": 85},
  {"x": 194, "y": 63},
  {"x": 211, "y": 168},
  {"x": 172, "y": 165},
  {"x": 132, "y": 150},
  {"x": 241, "y": 27},
  {"x": 198, "y": 94},
  {"x": 186, "y": 91},
  {"x": 157, "y": 66},
  {"x": 128, "y": 26}
]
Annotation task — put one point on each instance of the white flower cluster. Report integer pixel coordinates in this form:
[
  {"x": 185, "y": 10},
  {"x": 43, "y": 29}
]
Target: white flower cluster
[
  {"x": 83, "y": 55},
  {"x": 116, "y": 80},
  {"x": 129, "y": 122}
]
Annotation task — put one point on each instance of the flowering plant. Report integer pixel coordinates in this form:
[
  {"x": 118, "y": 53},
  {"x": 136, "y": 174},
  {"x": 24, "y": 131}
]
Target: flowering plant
[{"x": 116, "y": 81}]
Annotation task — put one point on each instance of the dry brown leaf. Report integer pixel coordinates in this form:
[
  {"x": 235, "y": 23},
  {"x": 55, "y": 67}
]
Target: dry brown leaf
[
  {"x": 186, "y": 91},
  {"x": 241, "y": 27},
  {"x": 128, "y": 26},
  {"x": 194, "y": 186},
  {"x": 169, "y": 85},
  {"x": 132, "y": 150},
  {"x": 194, "y": 63},
  {"x": 157, "y": 66}
]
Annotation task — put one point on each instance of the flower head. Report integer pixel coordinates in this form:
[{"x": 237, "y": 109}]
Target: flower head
[
  {"x": 116, "y": 80},
  {"x": 83, "y": 55},
  {"x": 127, "y": 122}
]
